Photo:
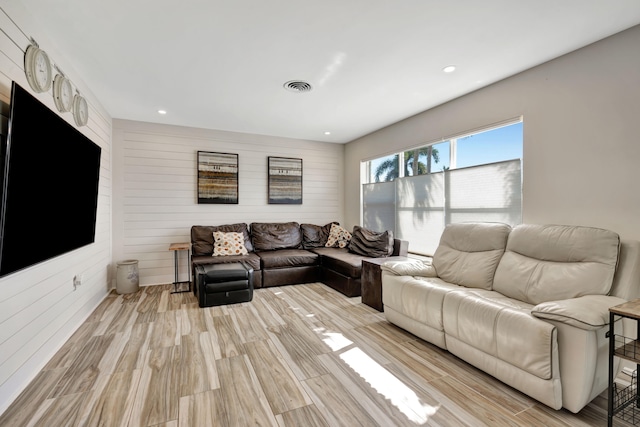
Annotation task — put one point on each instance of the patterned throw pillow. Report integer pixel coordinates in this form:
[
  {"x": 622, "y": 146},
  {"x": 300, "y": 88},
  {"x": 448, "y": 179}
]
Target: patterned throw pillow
[
  {"x": 338, "y": 237},
  {"x": 228, "y": 244}
]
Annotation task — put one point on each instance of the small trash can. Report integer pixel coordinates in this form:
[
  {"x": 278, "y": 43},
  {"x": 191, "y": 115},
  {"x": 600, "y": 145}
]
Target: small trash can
[{"x": 127, "y": 279}]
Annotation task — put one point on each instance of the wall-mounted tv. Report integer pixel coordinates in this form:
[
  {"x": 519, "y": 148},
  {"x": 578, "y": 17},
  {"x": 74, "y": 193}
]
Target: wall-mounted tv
[{"x": 50, "y": 173}]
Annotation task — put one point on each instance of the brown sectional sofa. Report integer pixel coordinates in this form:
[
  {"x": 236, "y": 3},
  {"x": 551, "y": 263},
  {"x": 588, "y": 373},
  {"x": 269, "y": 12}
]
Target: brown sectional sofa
[{"x": 288, "y": 253}]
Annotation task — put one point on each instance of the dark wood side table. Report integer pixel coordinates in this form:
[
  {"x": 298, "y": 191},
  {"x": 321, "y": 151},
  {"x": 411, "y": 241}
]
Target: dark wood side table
[{"x": 371, "y": 280}]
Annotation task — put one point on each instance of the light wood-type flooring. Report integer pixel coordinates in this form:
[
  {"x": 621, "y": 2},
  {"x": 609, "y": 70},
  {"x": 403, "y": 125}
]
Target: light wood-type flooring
[{"x": 300, "y": 355}]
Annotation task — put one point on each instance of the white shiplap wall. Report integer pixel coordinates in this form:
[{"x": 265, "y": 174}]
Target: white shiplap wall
[
  {"x": 39, "y": 309},
  {"x": 155, "y": 188}
]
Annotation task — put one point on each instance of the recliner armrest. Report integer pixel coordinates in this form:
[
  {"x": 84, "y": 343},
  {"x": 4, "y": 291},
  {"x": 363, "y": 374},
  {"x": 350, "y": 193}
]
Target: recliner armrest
[
  {"x": 410, "y": 268},
  {"x": 589, "y": 312}
]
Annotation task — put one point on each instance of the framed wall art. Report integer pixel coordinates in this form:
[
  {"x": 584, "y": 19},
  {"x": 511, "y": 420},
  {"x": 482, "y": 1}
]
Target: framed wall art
[
  {"x": 217, "y": 178},
  {"x": 285, "y": 181}
]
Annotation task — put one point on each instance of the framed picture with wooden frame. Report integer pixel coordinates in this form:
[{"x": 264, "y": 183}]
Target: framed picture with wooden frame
[
  {"x": 284, "y": 181},
  {"x": 217, "y": 178}
]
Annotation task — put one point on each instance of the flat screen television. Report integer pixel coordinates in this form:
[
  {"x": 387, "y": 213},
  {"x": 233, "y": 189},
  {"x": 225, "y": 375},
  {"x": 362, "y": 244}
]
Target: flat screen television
[{"x": 50, "y": 173}]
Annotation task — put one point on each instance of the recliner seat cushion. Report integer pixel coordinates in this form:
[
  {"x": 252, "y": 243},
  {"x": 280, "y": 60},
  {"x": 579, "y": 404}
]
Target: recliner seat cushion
[
  {"x": 556, "y": 262},
  {"x": 468, "y": 253},
  {"x": 287, "y": 258},
  {"x": 500, "y": 327},
  {"x": 341, "y": 261}
]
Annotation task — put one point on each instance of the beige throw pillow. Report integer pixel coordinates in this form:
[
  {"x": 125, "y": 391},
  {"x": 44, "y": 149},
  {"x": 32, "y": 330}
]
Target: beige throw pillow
[
  {"x": 231, "y": 243},
  {"x": 338, "y": 237}
]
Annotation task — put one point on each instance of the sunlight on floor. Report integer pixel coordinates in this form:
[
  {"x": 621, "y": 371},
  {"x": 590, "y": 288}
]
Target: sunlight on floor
[
  {"x": 389, "y": 386},
  {"x": 381, "y": 380}
]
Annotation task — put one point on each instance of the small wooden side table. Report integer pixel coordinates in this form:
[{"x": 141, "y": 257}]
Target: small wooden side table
[
  {"x": 177, "y": 247},
  {"x": 371, "y": 280}
]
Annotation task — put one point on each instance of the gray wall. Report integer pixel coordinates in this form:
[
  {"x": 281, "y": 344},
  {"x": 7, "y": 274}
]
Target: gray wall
[{"x": 581, "y": 161}]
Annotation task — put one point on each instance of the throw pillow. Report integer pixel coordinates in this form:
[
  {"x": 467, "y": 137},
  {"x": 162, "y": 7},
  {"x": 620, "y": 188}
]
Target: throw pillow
[
  {"x": 338, "y": 237},
  {"x": 228, "y": 244},
  {"x": 371, "y": 243}
]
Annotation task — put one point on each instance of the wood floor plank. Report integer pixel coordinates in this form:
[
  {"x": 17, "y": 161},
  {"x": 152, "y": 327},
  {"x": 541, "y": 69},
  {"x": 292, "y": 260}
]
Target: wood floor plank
[
  {"x": 84, "y": 371},
  {"x": 147, "y": 308},
  {"x": 73, "y": 347},
  {"x": 125, "y": 317},
  {"x": 284, "y": 392},
  {"x": 22, "y": 409},
  {"x": 337, "y": 406},
  {"x": 228, "y": 341},
  {"x": 307, "y": 416},
  {"x": 244, "y": 401},
  {"x": 193, "y": 319},
  {"x": 158, "y": 394},
  {"x": 63, "y": 411},
  {"x": 110, "y": 402},
  {"x": 203, "y": 409},
  {"x": 197, "y": 365},
  {"x": 300, "y": 347},
  {"x": 133, "y": 354},
  {"x": 248, "y": 326}
]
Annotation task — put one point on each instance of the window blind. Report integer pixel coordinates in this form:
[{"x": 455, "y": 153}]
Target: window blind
[
  {"x": 420, "y": 211},
  {"x": 378, "y": 205},
  {"x": 418, "y": 208}
]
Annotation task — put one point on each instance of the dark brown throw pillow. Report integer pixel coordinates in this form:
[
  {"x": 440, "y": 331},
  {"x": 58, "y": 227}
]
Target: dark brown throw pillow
[
  {"x": 202, "y": 237},
  {"x": 315, "y": 236},
  {"x": 371, "y": 243}
]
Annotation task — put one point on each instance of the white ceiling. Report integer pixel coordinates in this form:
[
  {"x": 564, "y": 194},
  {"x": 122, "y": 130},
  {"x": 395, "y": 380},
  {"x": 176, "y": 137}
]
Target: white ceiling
[{"x": 222, "y": 64}]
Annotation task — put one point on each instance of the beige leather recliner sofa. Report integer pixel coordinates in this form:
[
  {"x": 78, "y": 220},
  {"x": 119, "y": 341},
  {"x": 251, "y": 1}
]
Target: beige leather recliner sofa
[{"x": 527, "y": 305}]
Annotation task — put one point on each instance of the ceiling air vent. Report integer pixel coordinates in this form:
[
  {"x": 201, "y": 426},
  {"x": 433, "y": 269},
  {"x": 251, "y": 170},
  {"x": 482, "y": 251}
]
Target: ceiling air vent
[{"x": 297, "y": 86}]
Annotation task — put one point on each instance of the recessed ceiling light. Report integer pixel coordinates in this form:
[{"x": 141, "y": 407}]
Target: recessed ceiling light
[
  {"x": 162, "y": 111},
  {"x": 327, "y": 133},
  {"x": 449, "y": 69}
]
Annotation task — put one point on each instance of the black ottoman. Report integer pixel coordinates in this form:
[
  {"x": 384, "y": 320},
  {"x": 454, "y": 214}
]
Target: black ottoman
[{"x": 219, "y": 284}]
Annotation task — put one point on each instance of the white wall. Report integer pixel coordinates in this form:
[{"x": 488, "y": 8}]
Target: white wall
[
  {"x": 39, "y": 309},
  {"x": 155, "y": 188},
  {"x": 581, "y": 136}
]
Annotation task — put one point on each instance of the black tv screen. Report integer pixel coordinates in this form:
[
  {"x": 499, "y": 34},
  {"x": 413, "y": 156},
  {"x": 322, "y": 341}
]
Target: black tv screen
[{"x": 49, "y": 185}]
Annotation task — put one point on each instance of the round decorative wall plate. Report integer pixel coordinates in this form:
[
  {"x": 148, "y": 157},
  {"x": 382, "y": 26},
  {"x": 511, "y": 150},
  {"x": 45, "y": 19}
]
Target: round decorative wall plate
[
  {"x": 80, "y": 110},
  {"x": 37, "y": 68},
  {"x": 62, "y": 93}
]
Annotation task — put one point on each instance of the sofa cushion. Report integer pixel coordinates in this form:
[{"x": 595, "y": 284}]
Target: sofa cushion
[
  {"x": 225, "y": 244},
  {"x": 202, "y": 237},
  {"x": 370, "y": 243},
  {"x": 468, "y": 253},
  {"x": 315, "y": 236},
  {"x": 419, "y": 298},
  {"x": 268, "y": 236},
  {"x": 556, "y": 262},
  {"x": 341, "y": 261},
  {"x": 287, "y": 258},
  {"x": 500, "y": 327}
]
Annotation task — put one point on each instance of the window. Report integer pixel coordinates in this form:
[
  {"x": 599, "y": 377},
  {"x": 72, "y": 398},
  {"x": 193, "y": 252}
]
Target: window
[{"x": 475, "y": 177}]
